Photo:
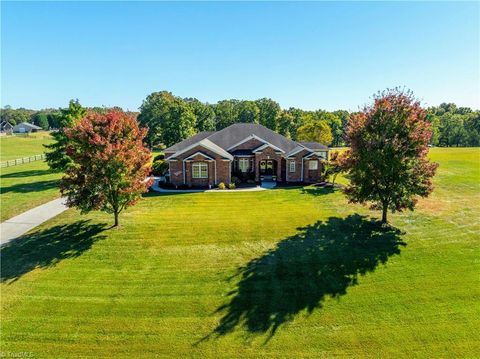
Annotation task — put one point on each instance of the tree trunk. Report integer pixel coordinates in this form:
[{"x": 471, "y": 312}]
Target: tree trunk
[
  {"x": 384, "y": 214},
  {"x": 116, "y": 218}
]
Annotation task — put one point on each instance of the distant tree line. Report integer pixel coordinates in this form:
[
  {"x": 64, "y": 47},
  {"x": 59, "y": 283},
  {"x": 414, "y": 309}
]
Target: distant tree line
[
  {"x": 48, "y": 118},
  {"x": 454, "y": 126},
  {"x": 170, "y": 119}
]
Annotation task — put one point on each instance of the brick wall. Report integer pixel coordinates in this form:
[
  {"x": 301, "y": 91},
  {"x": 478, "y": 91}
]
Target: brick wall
[
  {"x": 312, "y": 176},
  {"x": 297, "y": 175},
  {"x": 248, "y": 145},
  {"x": 309, "y": 176},
  {"x": 176, "y": 172},
  {"x": 223, "y": 168},
  {"x": 268, "y": 154},
  {"x": 176, "y": 169}
]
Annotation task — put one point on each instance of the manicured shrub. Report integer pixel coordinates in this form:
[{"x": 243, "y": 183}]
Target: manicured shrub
[
  {"x": 160, "y": 156},
  {"x": 221, "y": 185},
  {"x": 231, "y": 186},
  {"x": 236, "y": 180},
  {"x": 167, "y": 185},
  {"x": 159, "y": 168}
]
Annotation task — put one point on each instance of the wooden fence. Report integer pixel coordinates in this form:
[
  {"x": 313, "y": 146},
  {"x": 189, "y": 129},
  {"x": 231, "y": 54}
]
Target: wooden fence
[{"x": 22, "y": 160}]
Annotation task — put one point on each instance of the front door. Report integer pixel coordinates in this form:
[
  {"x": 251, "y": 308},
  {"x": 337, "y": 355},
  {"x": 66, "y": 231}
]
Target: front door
[{"x": 267, "y": 167}]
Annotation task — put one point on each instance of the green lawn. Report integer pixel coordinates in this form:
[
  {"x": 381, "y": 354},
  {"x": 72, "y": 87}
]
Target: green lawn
[
  {"x": 13, "y": 147},
  {"x": 285, "y": 273},
  {"x": 26, "y": 186}
]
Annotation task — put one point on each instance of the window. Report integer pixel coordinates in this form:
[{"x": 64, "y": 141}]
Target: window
[
  {"x": 322, "y": 154},
  {"x": 313, "y": 165},
  {"x": 244, "y": 164},
  {"x": 292, "y": 166},
  {"x": 200, "y": 170}
]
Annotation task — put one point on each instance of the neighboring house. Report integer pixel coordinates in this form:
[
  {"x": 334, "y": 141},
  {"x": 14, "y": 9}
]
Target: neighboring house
[
  {"x": 250, "y": 152},
  {"x": 6, "y": 127},
  {"x": 25, "y": 127}
]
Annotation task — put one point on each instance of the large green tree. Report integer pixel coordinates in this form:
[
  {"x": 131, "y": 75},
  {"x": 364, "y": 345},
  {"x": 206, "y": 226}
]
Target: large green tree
[
  {"x": 269, "y": 112},
  {"x": 434, "y": 121},
  {"x": 285, "y": 125},
  {"x": 204, "y": 113},
  {"x": 453, "y": 131},
  {"x": 169, "y": 119},
  {"x": 344, "y": 117},
  {"x": 56, "y": 155},
  {"x": 472, "y": 126},
  {"x": 335, "y": 124},
  {"x": 315, "y": 130},
  {"x": 41, "y": 119},
  {"x": 387, "y": 162},
  {"x": 298, "y": 119},
  {"x": 226, "y": 113},
  {"x": 248, "y": 112}
]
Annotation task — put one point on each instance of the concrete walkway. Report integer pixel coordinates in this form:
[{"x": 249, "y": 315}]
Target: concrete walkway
[{"x": 19, "y": 225}]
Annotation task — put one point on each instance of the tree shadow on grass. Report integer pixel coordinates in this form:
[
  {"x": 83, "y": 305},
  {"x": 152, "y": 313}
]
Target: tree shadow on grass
[
  {"x": 30, "y": 187},
  {"x": 45, "y": 248},
  {"x": 318, "y": 191},
  {"x": 29, "y": 173},
  {"x": 153, "y": 193},
  {"x": 322, "y": 260}
]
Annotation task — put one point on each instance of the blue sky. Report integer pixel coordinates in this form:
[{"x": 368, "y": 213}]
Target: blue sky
[{"x": 307, "y": 55}]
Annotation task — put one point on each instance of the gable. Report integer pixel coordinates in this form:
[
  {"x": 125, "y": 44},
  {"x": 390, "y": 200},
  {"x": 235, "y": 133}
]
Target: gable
[
  {"x": 188, "y": 142},
  {"x": 317, "y": 154},
  {"x": 234, "y": 135},
  {"x": 268, "y": 145},
  {"x": 199, "y": 155},
  {"x": 249, "y": 143},
  {"x": 299, "y": 153},
  {"x": 204, "y": 146}
]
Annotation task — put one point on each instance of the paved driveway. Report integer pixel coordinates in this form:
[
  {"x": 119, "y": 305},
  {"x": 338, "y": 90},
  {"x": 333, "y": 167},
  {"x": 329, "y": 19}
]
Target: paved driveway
[{"x": 21, "y": 224}]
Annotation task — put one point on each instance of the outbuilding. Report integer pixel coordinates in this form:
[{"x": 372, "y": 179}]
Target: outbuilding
[{"x": 26, "y": 127}]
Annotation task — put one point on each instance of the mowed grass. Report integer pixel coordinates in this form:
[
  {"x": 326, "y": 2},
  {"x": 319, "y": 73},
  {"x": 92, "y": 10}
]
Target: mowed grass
[
  {"x": 13, "y": 147},
  {"x": 26, "y": 186},
  {"x": 284, "y": 273}
]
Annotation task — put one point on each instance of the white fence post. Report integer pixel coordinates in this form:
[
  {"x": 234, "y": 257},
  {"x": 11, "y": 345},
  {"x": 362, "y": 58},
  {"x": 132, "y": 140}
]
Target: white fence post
[{"x": 18, "y": 161}]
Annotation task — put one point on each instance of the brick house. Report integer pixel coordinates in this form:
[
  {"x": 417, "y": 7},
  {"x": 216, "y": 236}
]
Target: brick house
[{"x": 248, "y": 151}]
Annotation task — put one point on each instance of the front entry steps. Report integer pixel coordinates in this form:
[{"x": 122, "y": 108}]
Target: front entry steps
[{"x": 268, "y": 184}]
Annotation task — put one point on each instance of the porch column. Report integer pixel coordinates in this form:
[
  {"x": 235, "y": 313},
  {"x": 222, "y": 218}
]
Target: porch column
[
  {"x": 215, "y": 169},
  {"x": 279, "y": 169}
]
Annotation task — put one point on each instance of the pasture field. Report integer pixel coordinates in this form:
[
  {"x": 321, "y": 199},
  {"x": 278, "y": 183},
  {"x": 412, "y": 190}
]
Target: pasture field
[
  {"x": 13, "y": 147},
  {"x": 285, "y": 273},
  {"x": 26, "y": 186}
]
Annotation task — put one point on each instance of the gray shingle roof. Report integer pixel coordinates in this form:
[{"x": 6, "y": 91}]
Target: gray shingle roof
[
  {"x": 26, "y": 124},
  {"x": 242, "y": 153},
  {"x": 237, "y": 132},
  {"x": 189, "y": 141},
  {"x": 314, "y": 145}
]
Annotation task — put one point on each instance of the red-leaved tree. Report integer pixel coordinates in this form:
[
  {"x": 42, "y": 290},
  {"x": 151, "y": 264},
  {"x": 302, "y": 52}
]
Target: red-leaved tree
[
  {"x": 387, "y": 162},
  {"x": 110, "y": 163}
]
